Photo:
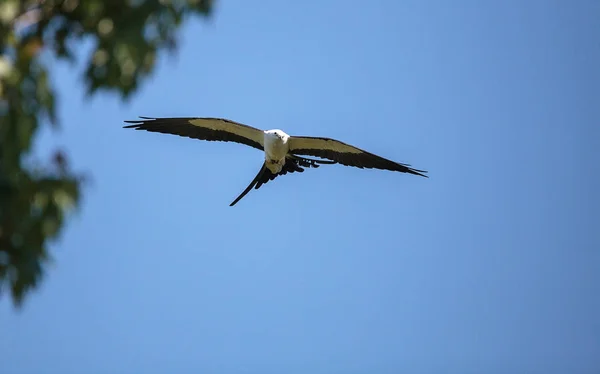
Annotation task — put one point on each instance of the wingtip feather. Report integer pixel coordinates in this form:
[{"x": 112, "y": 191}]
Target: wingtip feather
[
  {"x": 136, "y": 123},
  {"x": 419, "y": 172}
]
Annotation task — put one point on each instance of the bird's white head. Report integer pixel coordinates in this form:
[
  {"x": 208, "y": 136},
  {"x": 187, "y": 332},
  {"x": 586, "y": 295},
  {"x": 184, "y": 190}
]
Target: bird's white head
[{"x": 276, "y": 133}]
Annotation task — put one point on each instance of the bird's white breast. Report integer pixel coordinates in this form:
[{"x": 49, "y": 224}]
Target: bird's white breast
[{"x": 276, "y": 148}]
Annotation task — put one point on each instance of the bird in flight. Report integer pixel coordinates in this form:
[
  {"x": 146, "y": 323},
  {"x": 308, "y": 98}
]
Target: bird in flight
[{"x": 282, "y": 151}]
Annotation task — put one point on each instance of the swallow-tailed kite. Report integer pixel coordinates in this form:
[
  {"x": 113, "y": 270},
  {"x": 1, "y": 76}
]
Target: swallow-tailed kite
[{"x": 281, "y": 150}]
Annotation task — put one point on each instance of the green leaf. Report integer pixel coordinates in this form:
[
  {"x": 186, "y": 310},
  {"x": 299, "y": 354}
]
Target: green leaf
[{"x": 35, "y": 202}]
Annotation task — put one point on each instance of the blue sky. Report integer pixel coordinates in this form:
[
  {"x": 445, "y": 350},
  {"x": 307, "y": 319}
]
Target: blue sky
[{"x": 491, "y": 265}]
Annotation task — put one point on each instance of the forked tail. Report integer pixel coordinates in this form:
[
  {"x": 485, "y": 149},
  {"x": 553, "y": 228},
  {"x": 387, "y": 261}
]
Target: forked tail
[
  {"x": 252, "y": 184},
  {"x": 292, "y": 164}
]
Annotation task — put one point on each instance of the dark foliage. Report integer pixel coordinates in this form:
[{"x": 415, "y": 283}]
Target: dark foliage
[{"x": 127, "y": 36}]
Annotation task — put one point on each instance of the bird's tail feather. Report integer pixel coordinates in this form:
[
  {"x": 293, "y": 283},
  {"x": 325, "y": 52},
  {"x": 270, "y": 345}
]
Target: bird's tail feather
[
  {"x": 293, "y": 164},
  {"x": 252, "y": 184}
]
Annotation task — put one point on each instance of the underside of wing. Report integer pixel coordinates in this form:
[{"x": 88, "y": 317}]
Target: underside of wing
[
  {"x": 346, "y": 154},
  {"x": 292, "y": 164},
  {"x": 211, "y": 129}
]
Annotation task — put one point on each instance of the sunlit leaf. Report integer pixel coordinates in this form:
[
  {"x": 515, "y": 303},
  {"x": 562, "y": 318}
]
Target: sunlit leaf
[{"x": 127, "y": 37}]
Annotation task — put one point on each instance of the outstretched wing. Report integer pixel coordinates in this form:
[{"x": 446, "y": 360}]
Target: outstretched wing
[
  {"x": 345, "y": 154},
  {"x": 211, "y": 129},
  {"x": 292, "y": 164}
]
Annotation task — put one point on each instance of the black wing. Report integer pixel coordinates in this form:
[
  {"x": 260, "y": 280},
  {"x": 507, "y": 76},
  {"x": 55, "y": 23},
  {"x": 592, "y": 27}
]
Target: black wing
[
  {"x": 211, "y": 129},
  {"x": 346, "y": 154}
]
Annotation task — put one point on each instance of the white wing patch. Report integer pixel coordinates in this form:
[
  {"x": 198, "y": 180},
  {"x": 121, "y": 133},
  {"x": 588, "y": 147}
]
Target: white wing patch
[
  {"x": 218, "y": 124},
  {"x": 325, "y": 144}
]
